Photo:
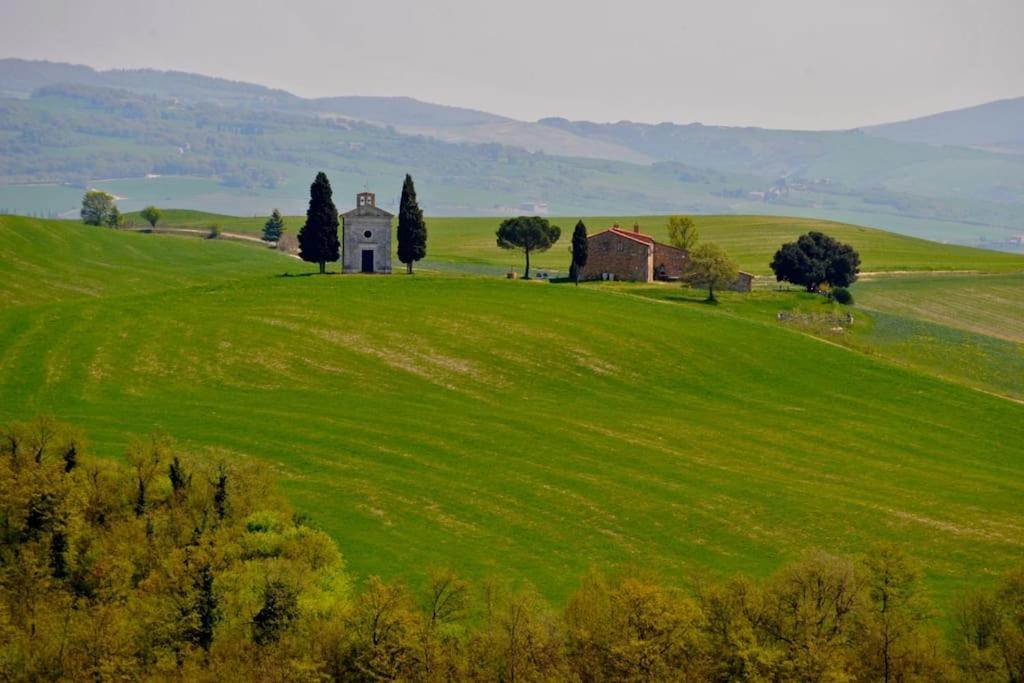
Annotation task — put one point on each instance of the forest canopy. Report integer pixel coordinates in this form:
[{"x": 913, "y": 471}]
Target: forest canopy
[{"x": 172, "y": 565}]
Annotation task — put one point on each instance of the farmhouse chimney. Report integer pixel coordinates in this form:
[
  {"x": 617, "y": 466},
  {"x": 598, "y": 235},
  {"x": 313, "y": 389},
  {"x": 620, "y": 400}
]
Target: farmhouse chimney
[
  {"x": 636, "y": 227},
  {"x": 366, "y": 199}
]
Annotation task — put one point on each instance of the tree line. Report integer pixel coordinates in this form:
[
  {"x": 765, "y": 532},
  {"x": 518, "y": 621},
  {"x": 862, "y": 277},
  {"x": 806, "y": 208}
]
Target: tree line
[{"x": 169, "y": 566}]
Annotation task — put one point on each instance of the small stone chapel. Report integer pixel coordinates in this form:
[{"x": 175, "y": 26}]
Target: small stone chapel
[{"x": 366, "y": 237}]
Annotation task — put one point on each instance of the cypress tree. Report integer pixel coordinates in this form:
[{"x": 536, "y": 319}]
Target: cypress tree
[
  {"x": 220, "y": 494},
  {"x": 579, "y": 251},
  {"x": 206, "y": 607},
  {"x": 318, "y": 237},
  {"x": 412, "y": 231}
]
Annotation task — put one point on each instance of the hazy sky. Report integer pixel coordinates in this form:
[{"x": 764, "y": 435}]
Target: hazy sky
[{"x": 777, "y": 63}]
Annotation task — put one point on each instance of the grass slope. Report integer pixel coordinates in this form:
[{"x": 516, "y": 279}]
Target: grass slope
[
  {"x": 751, "y": 240},
  {"x": 521, "y": 429},
  {"x": 987, "y": 304},
  {"x": 44, "y": 261}
]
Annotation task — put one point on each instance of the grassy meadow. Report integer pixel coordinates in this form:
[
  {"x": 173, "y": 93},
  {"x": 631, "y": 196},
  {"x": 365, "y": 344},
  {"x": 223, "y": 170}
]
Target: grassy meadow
[
  {"x": 987, "y": 304},
  {"x": 526, "y": 430},
  {"x": 469, "y": 244}
]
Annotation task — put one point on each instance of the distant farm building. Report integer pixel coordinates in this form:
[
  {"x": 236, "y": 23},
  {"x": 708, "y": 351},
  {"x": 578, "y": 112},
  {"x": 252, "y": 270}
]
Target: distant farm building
[
  {"x": 744, "y": 283},
  {"x": 366, "y": 237},
  {"x": 617, "y": 254}
]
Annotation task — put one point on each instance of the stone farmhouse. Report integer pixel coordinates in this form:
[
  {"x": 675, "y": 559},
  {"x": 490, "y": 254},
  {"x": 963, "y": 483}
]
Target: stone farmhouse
[
  {"x": 617, "y": 254},
  {"x": 366, "y": 237}
]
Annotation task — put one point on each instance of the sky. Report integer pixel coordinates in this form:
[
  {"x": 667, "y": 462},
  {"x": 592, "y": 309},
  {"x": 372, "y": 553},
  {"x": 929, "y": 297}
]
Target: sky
[{"x": 807, "y": 64}]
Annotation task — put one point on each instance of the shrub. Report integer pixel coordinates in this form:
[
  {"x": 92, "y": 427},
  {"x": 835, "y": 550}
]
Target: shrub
[{"x": 842, "y": 295}]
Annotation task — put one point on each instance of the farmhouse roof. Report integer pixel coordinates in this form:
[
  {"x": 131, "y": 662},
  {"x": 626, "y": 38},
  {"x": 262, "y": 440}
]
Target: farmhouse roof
[{"x": 636, "y": 236}]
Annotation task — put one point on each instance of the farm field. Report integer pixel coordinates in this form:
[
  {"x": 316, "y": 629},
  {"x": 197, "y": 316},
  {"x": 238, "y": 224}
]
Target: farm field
[
  {"x": 985, "y": 362},
  {"x": 987, "y": 304},
  {"x": 752, "y": 240},
  {"x": 517, "y": 429}
]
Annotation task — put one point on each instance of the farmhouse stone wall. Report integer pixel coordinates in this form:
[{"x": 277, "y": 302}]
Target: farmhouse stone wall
[
  {"x": 668, "y": 261},
  {"x": 626, "y": 258}
]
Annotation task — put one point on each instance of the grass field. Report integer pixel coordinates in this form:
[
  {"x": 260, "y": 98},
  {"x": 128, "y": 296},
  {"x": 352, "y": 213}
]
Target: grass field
[
  {"x": 992, "y": 305},
  {"x": 517, "y": 429},
  {"x": 751, "y": 240}
]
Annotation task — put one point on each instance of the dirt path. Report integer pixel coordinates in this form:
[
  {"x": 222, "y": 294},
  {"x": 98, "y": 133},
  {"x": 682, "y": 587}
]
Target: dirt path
[{"x": 197, "y": 232}]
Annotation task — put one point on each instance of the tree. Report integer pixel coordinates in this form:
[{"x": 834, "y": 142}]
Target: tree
[
  {"x": 709, "y": 266},
  {"x": 97, "y": 208},
  {"x": 114, "y": 219},
  {"x": 815, "y": 259},
  {"x": 682, "y": 232},
  {"x": 151, "y": 215},
  {"x": 891, "y": 638},
  {"x": 318, "y": 237},
  {"x": 529, "y": 233},
  {"x": 274, "y": 227},
  {"x": 579, "y": 251},
  {"x": 412, "y": 231},
  {"x": 280, "y": 608}
]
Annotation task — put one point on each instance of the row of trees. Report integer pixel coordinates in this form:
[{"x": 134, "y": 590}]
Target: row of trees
[
  {"x": 172, "y": 567},
  {"x": 318, "y": 236},
  {"x": 99, "y": 208}
]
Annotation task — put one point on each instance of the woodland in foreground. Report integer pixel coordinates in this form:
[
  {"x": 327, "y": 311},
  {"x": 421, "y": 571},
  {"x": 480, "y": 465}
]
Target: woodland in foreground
[{"x": 168, "y": 566}]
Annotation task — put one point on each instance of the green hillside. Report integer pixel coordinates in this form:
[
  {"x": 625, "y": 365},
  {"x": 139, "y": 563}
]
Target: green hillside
[
  {"x": 987, "y": 304},
  {"x": 506, "y": 428},
  {"x": 52, "y": 260},
  {"x": 751, "y": 240}
]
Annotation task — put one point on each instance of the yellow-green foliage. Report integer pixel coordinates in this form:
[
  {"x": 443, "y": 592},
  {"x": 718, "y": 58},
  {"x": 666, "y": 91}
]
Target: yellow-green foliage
[
  {"x": 102, "y": 565},
  {"x": 174, "y": 567}
]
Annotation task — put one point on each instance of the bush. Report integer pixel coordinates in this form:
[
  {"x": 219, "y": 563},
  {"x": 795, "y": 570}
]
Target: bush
[{"x": 842, "y": 295}]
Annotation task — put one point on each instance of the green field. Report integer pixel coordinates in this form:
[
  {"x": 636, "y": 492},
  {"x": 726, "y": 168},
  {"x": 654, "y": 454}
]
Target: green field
[
  {"x": 992, "y": 305},
  {"x": 751, "y": 240},
  {"x": 520, "y": 429}
]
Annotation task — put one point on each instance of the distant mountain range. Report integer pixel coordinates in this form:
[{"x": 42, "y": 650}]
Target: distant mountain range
[
  {"x": 996, "y": 126},
  {"x": 955, "y": 175}
]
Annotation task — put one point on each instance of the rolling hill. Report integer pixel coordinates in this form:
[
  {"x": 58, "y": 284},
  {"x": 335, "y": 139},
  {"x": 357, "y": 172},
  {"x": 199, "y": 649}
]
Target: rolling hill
[
  {"x": 241, "y": 148},
  {"x": 995, "y": 125},
  {"x": 512, "y": 428}
]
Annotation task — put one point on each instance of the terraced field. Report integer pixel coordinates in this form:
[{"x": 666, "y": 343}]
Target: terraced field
[{"x": 516, "y": 429}]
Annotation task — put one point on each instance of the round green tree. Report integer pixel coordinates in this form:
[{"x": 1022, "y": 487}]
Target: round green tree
[
  {"x": 709, "y": 266},
  {"x": 98, "y": 208},
  {"x": 529, "y": 234},
  {"x": 151, "y": 215}
]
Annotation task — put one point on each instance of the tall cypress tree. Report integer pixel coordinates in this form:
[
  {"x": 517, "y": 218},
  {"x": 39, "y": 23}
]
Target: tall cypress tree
[
  {"x": 318, "y": 237},
  {"x": 412, "y": 231},
  {"x": 579, "y": 251}
]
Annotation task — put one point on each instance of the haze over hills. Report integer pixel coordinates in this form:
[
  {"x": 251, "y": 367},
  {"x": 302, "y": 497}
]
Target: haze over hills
[
  {"x": 995, "y": 125},
  {"x": 243, "y": 148}
]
